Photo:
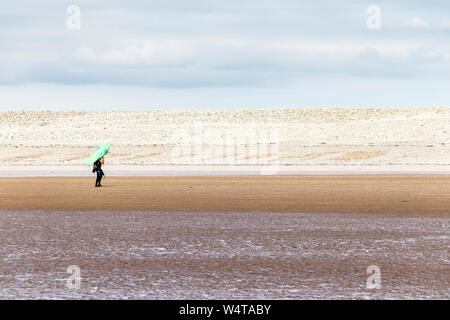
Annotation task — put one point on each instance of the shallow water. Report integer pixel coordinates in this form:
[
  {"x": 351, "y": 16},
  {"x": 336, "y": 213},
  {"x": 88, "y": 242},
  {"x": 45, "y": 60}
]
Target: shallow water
[{"x": 179, "y": 255}]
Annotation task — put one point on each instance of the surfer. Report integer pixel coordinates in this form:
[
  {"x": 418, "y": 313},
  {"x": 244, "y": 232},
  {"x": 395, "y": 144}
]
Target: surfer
[{"x": 98, "y": 169}]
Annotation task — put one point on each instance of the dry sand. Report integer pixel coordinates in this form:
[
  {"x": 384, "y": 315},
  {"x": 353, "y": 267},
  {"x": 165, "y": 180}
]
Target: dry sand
[
  {"x": 422, "y": 195},
  {"x": 304, "y": 136}
]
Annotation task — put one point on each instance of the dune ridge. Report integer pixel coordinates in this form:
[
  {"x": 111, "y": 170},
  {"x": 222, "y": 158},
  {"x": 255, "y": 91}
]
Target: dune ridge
[{"x": 303, "y": 136}]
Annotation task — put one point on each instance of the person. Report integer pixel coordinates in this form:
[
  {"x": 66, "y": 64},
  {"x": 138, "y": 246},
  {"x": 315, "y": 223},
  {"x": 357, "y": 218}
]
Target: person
[{"x": 98, "y": 169}]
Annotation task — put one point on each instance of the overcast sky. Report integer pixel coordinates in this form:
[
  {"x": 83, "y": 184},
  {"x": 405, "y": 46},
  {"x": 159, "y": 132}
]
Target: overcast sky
[{"x": 223, "y": 54}]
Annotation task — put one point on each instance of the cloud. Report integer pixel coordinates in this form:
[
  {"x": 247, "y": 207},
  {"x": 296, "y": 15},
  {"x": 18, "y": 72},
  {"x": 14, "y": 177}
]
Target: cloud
[
  {"x": 231, "y": 44},
  {"x": 418, "y": 23},
  {"x": 217, "y": 62},
  {"x": 159, "y": 53}
]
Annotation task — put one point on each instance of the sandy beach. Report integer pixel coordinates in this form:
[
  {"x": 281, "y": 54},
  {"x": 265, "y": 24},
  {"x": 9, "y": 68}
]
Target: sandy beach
[
  {"x": 337, "y": 191},
  {"x": 225, "y": 237},
  {"x": 386, "y": 194},
  {"x": 273, "y": 150}
]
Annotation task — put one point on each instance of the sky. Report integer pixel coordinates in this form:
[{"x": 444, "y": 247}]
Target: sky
[{"x": 208, "y": 54}]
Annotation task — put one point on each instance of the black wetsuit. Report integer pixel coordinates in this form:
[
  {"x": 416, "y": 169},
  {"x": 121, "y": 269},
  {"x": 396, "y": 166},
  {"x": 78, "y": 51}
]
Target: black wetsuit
[{"x": 100, "y": 174}]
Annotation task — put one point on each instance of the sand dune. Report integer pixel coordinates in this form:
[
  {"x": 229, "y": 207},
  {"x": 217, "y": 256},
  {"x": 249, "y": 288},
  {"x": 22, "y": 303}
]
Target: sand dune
[{"x": 301, "y": 136}]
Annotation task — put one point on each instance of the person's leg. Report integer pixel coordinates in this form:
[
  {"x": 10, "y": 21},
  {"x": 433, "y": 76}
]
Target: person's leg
[
  {"x": 99, "y": 177},
  {"x": 100, "y": 172}
]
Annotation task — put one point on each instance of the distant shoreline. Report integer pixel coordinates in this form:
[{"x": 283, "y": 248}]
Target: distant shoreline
[{"x": 215, "y": 170}]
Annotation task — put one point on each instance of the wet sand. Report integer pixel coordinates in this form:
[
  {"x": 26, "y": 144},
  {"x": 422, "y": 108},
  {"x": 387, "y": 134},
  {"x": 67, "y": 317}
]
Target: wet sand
[
  {"x": 211, "y": 255},
  {"x": 388, "y": 194}
]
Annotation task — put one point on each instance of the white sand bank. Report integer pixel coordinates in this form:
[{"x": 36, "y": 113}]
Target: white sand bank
[{"x": 407, "y": 136}]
